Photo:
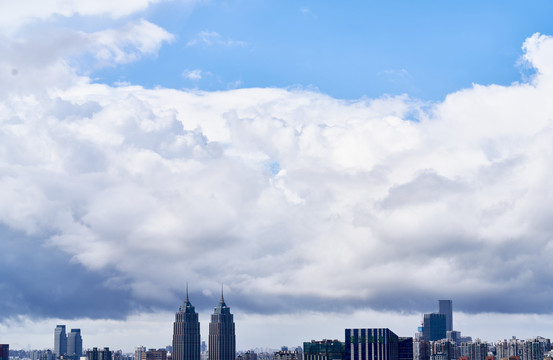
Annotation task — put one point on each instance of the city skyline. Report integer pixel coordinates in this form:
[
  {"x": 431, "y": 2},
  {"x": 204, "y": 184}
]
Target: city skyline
[{"x": 336, "y": 165}]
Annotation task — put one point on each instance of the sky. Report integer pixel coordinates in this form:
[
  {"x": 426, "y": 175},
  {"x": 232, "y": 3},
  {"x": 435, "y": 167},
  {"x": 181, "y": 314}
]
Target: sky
[{"x": 332, "y": 164}]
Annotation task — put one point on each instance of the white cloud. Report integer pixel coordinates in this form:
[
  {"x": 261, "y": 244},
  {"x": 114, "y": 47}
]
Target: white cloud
[
  {"x": 212, "y": 38},
  {"x": 128, "y": 43},
  {"x": 194, "y": 75},
  {"x": 14, "y": 14},
  {"x": 165, "y": 186},
  {"x": 42, "y": 61}
]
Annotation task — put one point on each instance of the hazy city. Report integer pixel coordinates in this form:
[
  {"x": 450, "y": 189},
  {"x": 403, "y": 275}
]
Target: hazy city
[{"x": 276, "y": 180}]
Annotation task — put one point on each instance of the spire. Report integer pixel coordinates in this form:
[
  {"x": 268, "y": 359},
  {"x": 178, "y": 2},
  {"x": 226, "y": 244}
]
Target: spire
[
  {"x": 222, "y": 308},
  {"x": 186, "y": 299},
  {"x": 186, "y": 306}
]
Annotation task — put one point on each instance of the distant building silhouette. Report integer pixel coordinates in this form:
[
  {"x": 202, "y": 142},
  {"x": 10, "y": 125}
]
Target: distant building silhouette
[
  {"x": 287, "y": 355},
  {"x": 222, "y": 338},
  {"x": 47, "y": 355},
  {"x": 186, "y": 332},
  {"x": 60, "y": 340},
  {"x": 74, "y": 344},
  {"x": 446, "y": 307},
  {"x": 248, "y": 355}
]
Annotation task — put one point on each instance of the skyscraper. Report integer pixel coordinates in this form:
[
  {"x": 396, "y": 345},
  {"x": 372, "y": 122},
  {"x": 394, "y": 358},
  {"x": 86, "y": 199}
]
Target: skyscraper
[
  {"x": 434, "y": 327},
  {"x": 222, "y": 339},
  {"x": 186, "y": 332},
  {"x": 74, "y": 344},
  {"x": 446, "y": 307},
  {"x": 60, "y": 340}
]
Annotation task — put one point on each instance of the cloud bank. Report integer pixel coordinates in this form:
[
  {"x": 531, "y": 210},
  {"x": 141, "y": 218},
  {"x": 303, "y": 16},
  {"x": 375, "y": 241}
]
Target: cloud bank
[{"x": 289, "y": 197}]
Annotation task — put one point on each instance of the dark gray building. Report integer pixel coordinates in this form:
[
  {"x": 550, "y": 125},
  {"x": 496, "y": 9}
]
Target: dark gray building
[
  {"x": 186, "y": 332},
  {"x": 4, "y": 351},
  {"x": 446, "y": 307},
  {"x": 74, "y": 344},
  {"x": 406, "y": 348},
  {"x": 324, "y": 350},
  {"x": 222, "y": 338},
  {"x": 96, "y": 354},
  {"x": 434, "y": 327},
  {"x": 60, "y": 340},
  {"x": 371, "y": 344}
]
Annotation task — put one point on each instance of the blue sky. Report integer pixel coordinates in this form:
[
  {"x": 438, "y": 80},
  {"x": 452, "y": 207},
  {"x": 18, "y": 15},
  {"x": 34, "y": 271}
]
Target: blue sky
[
  {"x": 334, "y": 164},
  {"x": 347, "y": 50}
]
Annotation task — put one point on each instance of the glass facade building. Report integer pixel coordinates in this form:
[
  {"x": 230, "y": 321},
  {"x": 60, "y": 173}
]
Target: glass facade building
[
  {"x": 222, "y": 338},
  {"x": 186, "y": 332},
  {"x": 371, "y": 344},
  {"x": 434, "y": 326}
]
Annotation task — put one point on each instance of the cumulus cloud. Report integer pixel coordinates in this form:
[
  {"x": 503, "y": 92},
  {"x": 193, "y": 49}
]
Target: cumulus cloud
[
  {"x": 13, "y": 15},
  {"x": 128, "y": 43},
  {"x": 49, "y": 59},
  {"x": 303, "y": 200}
]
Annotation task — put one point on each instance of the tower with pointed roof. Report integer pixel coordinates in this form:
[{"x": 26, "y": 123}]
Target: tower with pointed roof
[
  {"x": 222, "y": 339},
  {"x": 186, "y": 332}
]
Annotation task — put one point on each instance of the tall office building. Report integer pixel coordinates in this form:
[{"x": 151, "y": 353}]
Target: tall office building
[
  {"x": 446, "y": 307},
  {"x": 434, "y": 327},
  {"x": 222, "y": 339},
  {"x": 186, "y": 332},
  {"x": 371, "y": 344},
  {"x": 74, "y": 344},
  {"x": 60, "y": 341},
  {"x": 4, "y": 351}
]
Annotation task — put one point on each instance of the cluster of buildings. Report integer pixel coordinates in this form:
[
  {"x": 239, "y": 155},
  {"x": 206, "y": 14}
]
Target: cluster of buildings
[{"x": 435, "y": 339}]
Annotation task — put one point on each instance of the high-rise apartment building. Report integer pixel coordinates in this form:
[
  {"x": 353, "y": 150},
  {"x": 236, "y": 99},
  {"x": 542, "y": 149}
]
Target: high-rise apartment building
[
  {"x": 186, "y": 332},
  {"x": 421, "y": 350},
  {"x": 476, "y": 350},
  {"x": 222, "y": 338},
  {"x": 446, "y": 307},
  {"x": 4, "y": 351},
  {"x": 434, "y": 327},
  {"x": 138, "y": 351},
  {"x": 533, "y": 349},
  {"x": 509, "y": 348},
  {"x": 74, "y": 344},
  {"x": 60, "y": 340}
]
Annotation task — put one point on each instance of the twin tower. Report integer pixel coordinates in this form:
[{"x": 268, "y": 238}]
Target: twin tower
[{"x": 186, "y": 333}]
